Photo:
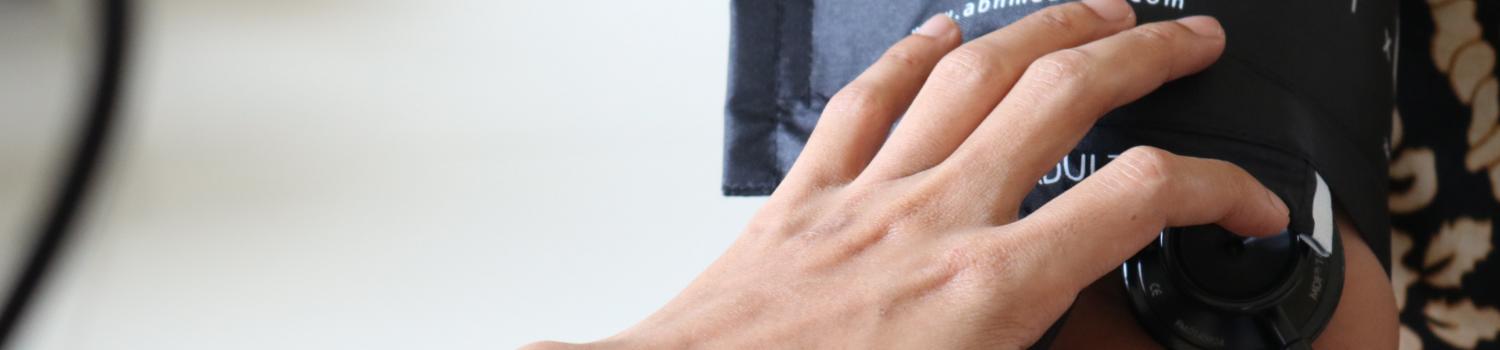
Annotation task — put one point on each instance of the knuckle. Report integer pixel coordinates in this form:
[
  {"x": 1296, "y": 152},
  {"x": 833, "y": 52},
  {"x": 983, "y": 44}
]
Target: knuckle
[
  {"x": 1061, "y": 69},
  {"x": 770, "y": 225},
  {"x": 1161, "y": 41},
  {"x": 854, "y": 99},
  {"x": 902, "y": 57},
  {"x": 1147, "y": 168},
  {"x": 859, "y": 207},
  {"x": 1058, "y": 19},
  {"x": 788, "y": 196},
  {"x": 1160, "y": 34},
  {"x": 957, "y": 258},
  {"x": 967, "y": 65},
  {"x": 906, "y": 215},
  {"x": 783, "y": 217}
]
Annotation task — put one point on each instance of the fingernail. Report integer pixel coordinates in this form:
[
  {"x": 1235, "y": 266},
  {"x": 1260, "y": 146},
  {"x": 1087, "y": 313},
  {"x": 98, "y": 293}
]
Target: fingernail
[
  {"x": 1203, "y": 25},
  {"x": 1109, "y": 10},
  {"x": 1277, "y": 203},
  {"x": 937, "y": 27}
]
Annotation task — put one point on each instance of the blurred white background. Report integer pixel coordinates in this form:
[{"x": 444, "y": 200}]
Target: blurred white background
[{"x": 359, "y": 174}]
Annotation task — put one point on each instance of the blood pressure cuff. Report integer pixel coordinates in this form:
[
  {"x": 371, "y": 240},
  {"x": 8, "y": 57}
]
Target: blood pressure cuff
[{"x": 1302, "y": 87}]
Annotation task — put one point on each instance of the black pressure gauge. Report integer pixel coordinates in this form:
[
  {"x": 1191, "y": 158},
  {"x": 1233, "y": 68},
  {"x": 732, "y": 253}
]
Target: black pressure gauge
[{"x": 1202, "y": 287}]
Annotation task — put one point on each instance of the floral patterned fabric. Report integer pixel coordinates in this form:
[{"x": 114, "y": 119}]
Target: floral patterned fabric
[{"x": 1445, "y": 174}]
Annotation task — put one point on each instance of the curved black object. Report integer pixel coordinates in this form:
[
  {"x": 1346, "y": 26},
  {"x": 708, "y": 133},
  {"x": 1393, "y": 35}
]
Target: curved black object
[
  {"x": 1205, "y": 288},
  {"x": 1183, "y": 311},
  {"x": 87, "y": 154}
]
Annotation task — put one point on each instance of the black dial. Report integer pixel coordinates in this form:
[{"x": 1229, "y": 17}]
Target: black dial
[{"x": 1202, "y": 287}]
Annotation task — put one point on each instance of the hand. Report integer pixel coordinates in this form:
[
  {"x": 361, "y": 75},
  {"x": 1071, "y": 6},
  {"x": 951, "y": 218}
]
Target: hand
[{"x": 912, "y": 241}]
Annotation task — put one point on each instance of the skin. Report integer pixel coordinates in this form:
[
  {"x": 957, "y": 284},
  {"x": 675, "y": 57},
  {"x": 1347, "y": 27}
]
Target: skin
[{"x": 908, "y": 237}]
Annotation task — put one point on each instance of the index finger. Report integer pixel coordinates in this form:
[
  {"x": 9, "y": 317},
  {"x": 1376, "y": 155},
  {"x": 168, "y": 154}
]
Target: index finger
[{"x": 1090, "y": 229}]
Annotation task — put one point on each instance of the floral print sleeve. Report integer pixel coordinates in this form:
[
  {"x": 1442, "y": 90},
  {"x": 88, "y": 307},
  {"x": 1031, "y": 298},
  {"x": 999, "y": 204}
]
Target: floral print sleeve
[{"x": 1445, "y": 175}]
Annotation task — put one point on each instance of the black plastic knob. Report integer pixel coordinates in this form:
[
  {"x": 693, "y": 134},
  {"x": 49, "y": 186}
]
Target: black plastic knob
[
  {"x": 1232, "y": 268},
  {"x": 1205, "y": 288}
]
